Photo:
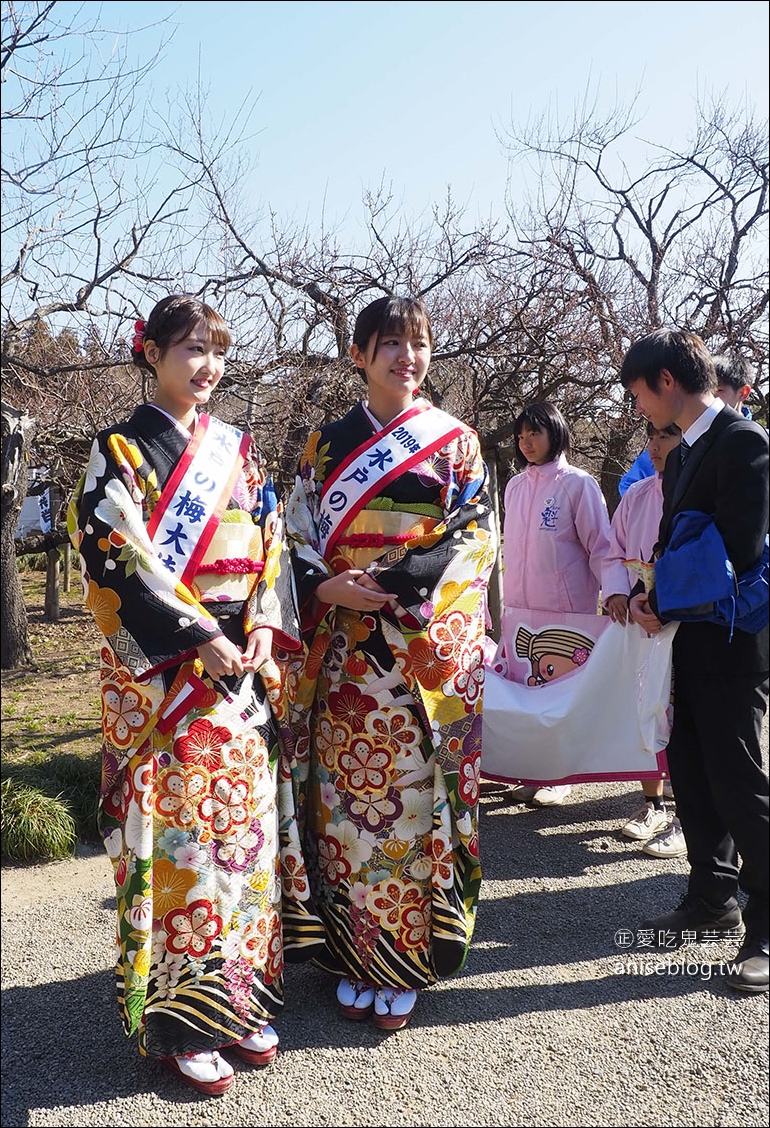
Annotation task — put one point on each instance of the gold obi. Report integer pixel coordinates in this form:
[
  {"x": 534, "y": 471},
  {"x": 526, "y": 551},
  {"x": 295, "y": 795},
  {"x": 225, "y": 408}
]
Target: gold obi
[
  {"x": 386, "y": 530},
  {"x": 231, "y": 564}
]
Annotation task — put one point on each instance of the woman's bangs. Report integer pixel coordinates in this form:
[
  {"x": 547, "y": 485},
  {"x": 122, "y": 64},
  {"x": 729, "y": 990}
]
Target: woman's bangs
[
  {"x": 407, "y": 321},
  {"x": 216, "y": 330}
]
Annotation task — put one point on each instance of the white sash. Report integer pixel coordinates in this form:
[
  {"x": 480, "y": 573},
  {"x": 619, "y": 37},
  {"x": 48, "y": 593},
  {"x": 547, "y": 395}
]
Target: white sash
[
  {"x": 406, "y": 441},
  {"x": 195, "y": 496}
]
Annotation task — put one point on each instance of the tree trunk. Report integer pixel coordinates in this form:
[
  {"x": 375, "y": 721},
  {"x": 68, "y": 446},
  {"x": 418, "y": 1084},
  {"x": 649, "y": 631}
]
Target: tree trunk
[
  {"x": 17, "y": 431},
  {"x": 51, "y": 604},
  {"x": 67, "y": 571},
  {"x": 495, "y": 589}
]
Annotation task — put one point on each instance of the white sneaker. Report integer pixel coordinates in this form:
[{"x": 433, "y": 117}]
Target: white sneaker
[
  {"x": 551, "y": 796},
  {"x": 669, "y": 843},
  {"x": 521, "y": 793},
  {"x": 646, "y": 823}
]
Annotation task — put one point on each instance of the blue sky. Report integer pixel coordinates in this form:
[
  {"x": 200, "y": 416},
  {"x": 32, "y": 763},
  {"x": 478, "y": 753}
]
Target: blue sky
[{"x": 351, "y": 94}]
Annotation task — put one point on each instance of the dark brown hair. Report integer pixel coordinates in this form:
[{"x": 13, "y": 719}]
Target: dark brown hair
[
  {"x": 175, "y": 318},
  {"x": 681, "y": 353},
  {"x": 390, "y": 315},
  {"x": 542, "y": 417}
]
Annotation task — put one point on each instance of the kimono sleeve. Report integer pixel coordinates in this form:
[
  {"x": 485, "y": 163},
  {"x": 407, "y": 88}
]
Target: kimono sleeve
[
  {"x": 273, "y": 601},
  {"x": 149, "y": 618},
  {"x": 302, "y": 514}
]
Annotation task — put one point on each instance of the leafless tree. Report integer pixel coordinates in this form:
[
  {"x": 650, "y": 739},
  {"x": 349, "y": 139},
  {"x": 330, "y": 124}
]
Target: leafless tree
[
  {"x": 79, "y": 203},
  {"x": 642, "y": 235},
  {"x": 617, "y": 236}
]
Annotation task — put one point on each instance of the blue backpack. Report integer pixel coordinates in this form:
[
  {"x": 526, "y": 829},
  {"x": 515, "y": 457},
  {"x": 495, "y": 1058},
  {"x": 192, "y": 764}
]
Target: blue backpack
[{"x": 696, "y": 582}]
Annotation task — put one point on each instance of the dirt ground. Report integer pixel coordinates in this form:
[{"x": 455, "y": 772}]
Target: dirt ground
[{"x": 53, "y": 707}]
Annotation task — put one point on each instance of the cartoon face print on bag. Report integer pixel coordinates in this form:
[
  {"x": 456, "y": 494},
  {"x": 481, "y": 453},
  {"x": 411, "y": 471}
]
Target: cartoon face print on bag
[{"x": 552, "y": 652}]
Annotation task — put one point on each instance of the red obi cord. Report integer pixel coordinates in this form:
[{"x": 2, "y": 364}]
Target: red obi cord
[
  {"x": 374, "y": 540},
  {"x": 229, "y": 567}
]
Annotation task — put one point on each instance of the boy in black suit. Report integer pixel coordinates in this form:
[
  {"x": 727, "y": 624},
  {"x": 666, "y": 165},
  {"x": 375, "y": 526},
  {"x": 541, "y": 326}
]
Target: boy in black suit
[{"x": 720, "y": 685}]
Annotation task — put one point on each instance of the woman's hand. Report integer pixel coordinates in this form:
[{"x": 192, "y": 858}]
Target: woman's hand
[
  {"x": 259, "y": 647},
  {"x": 221, "y": 657},
  {"x": 353, "y": 589},
  {"x": 617, "y": 606}
]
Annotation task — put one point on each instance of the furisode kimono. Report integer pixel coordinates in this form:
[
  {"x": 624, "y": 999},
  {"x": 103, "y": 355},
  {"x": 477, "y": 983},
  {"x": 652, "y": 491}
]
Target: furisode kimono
[
  {"x": 391, "y": 700},
  {"x": 180, "y": 540}
]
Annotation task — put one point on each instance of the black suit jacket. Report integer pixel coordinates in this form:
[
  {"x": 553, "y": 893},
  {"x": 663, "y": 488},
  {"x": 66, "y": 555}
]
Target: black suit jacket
[{"x": 726, "y": 476}]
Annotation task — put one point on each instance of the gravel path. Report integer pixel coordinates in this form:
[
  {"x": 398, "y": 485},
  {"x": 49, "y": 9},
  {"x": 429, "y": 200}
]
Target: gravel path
[{"x": 546, "y": 1026}]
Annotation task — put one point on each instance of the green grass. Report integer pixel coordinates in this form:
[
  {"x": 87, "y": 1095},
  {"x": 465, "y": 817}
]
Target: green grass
[
  {"x": 51, "y": 734},
  {"x": 34, "y": 825},
  {"x": 47, "y": 803}
]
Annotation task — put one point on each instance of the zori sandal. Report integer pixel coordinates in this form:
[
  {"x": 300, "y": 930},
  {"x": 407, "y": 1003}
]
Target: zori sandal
[
  {"x": 393, "y": 1007},
  {"x": 260, "y": 1048},
  {"x": 207, "y": 1072},
  {"x": 355, "y": 998}
]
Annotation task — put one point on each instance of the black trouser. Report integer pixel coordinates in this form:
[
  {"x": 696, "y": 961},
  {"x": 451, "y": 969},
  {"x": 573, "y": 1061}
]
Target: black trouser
[{"x": 721, "y": 789}]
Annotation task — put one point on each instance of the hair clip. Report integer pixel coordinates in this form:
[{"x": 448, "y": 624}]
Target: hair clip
[{"x": 139, "y": 330}]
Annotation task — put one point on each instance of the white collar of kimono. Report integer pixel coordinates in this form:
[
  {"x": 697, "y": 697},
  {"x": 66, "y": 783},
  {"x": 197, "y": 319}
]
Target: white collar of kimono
[
  {"x": 179, "y": 426},
  {"x": 375, "y": 421}
]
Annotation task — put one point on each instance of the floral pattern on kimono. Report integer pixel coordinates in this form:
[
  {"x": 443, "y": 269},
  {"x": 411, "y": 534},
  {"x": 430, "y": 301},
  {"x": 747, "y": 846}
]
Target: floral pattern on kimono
[
  {"x": 390, "y": 709},
  {"x": 197, "y": 813}
]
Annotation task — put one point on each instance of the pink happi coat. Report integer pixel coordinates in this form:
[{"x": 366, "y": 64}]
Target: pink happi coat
[{"x": 633, "y": 534}]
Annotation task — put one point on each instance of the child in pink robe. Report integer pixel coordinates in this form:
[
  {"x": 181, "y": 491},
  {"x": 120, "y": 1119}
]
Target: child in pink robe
[
  {"x": 633, "y": 535},
  {"x": 556, "y": 533}
]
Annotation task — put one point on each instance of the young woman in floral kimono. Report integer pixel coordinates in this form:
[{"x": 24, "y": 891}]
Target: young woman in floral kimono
[
  {"x": 393, "y": 538},
  {"x": 187, "y": 576}
]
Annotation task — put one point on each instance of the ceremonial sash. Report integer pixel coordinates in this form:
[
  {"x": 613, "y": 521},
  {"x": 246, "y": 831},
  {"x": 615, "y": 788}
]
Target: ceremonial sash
[
  {"x": 406, "y": 441},
  {"x": 195, "y": 496}
]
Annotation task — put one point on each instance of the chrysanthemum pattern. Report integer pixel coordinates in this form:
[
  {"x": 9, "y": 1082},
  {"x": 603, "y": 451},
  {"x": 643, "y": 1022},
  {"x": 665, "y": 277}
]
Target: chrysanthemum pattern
[
  {"x": 190, "y": 814},
  {"x": 388, "y": 858}
]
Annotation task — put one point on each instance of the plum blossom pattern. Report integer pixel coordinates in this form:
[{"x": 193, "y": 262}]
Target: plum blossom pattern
[
  {"x": 389, "y": 707},
  {"x": 202, "y": 744},
  {"x": 206, "y": 848},
  {"x": 192, "y": 929},
  {"x": 125, "y": 713}
]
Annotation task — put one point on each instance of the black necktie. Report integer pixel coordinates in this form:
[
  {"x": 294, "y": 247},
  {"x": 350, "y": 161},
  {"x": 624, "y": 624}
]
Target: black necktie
[{"x": 684, "y": 451}]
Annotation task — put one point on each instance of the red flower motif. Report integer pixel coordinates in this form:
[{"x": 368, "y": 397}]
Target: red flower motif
[
  {"x": 414, "y": 932},
  {"x": 351, "y": 706},
  {"x": 138, "y": 338},
  {"x": 429, "y": 669},
  {"x": 274, "y": 962},
  {"x": 202, "y": 744},
  {"x": 332, "y": 860},
  {"x": 469, "y": 778},
  {"x": 468, "y": 682},
  {"x": 192, "y": 930},
  {"x": 448, "y": 634},
  {"x": 366, "y": 768}
]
